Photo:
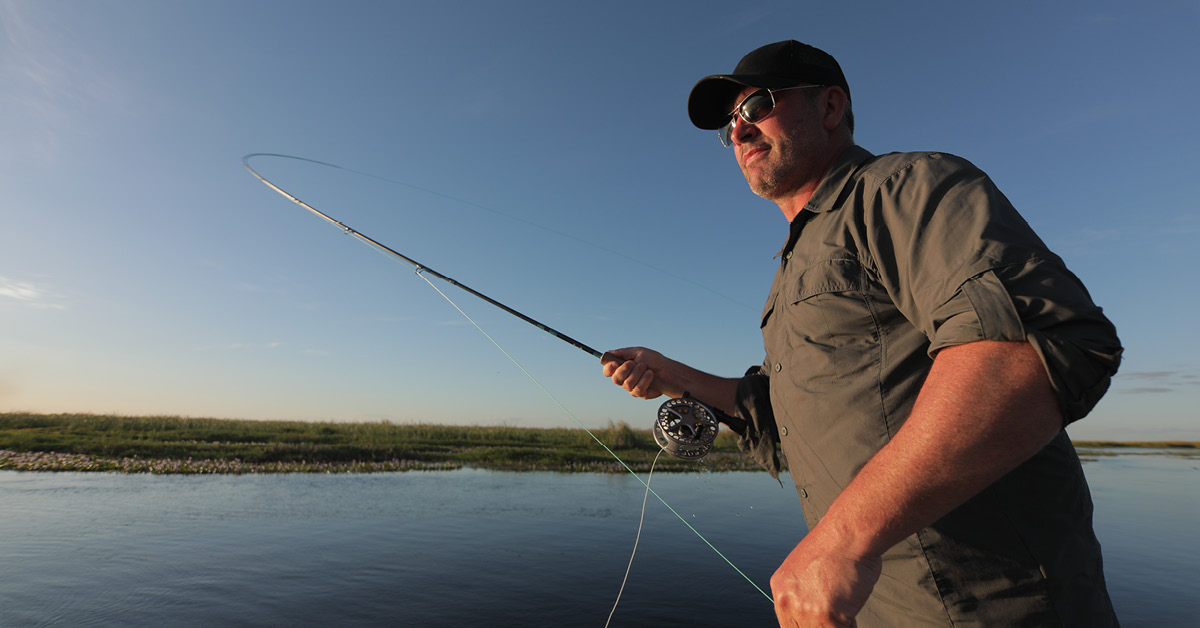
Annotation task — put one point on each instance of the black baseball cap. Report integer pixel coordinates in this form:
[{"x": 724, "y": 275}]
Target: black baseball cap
[{"x": 781, "y": 64}]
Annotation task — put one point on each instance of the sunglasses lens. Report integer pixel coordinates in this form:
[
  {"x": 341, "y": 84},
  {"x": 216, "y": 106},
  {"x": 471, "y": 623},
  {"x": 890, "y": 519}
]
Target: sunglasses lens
[
  {"x": 756, "y": 106},
  {"x": 753, "y": 109}
]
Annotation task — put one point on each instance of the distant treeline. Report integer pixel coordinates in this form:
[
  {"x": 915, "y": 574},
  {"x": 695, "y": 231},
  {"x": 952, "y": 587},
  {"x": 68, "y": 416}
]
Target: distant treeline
[{"x": 172, "y": 444}]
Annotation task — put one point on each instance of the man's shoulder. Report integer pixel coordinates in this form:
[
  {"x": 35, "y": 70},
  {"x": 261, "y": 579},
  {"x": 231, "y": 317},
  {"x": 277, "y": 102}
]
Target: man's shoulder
[
  {"x": 916, "y": 163},
  {"x": 858, "y": 173}
]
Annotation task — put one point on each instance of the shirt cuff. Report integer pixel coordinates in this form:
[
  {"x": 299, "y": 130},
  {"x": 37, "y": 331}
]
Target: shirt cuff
[{"x": 1077, "y": 345}]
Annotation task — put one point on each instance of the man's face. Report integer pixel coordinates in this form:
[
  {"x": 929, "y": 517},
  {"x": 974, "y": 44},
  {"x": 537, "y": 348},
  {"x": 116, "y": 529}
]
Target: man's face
[{"x": 780, "y": 154}]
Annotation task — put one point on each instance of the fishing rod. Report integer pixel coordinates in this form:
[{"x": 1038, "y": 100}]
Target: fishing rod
[
  {"x": 685, "y": 427},
  {"x": 562, "y": 234},
  {"x": 420, "y": 268}
]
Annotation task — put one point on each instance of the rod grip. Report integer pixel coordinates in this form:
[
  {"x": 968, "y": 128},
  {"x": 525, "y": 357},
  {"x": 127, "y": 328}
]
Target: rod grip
[{"x": 609, "y": 357}]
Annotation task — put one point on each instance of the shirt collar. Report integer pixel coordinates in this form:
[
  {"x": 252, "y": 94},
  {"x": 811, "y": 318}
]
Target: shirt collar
[
  {"x": 825, "y": 198},
  {"x": 835, "y": 180}
]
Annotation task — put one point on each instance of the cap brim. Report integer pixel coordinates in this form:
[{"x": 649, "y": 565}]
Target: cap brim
[{"x": 712, "y": 97}]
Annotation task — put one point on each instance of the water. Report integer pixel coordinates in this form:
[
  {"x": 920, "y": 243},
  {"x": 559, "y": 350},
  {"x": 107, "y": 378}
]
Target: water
[
  {"x": 480, "y": 548},
  {"x": 1147, "y": 518}
]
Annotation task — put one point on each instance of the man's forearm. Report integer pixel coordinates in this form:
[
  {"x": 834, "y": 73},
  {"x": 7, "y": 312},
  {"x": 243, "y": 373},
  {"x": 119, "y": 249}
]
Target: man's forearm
[
  {"x": 985, "y": 408},
  {"x": 718, "y": 392}
]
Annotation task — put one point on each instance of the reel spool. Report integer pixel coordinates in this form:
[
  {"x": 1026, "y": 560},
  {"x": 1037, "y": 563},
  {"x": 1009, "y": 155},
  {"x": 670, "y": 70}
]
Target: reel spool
[{"x": 685, "y": 428}]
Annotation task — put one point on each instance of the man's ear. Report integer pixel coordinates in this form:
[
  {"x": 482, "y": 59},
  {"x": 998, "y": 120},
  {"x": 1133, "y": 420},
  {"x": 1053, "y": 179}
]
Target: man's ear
[{"x": 833, "y": 106}]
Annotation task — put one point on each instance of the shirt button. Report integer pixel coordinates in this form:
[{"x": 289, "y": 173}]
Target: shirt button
[
  {"x": 784, "y": 428},
  {"x": 778, "y": 367},
  {"x": 787, "y": 255},
  {"x": 804, "y": 493}
]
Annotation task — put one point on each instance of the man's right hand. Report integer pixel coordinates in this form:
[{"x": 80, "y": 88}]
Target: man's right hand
[
  {"x": 643, "y": 373},
  {"x": 647, "y": 374}
]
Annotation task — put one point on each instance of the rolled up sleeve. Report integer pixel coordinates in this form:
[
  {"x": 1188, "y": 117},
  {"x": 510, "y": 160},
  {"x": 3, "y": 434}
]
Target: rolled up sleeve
[
  {"x": 964, "y": 265},
  {"x": 1042, "y": 303}
]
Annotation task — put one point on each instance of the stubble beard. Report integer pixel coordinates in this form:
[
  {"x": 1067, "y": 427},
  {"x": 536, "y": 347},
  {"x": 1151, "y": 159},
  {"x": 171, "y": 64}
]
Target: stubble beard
[{"x": 771, "y": 177}]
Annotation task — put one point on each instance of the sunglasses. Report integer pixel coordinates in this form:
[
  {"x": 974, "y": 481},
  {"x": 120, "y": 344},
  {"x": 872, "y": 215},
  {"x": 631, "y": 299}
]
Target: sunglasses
[{"x": 753, "y": 109}]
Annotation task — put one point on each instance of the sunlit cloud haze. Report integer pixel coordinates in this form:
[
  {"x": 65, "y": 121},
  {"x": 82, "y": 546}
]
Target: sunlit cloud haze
[
  {"x": 30, "y": 295},
  {"x": 47, "y": 81}
]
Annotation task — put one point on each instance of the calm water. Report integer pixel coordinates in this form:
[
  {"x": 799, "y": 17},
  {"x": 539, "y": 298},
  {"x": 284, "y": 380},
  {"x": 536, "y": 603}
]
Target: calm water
[{"x": 480, "y": 548}]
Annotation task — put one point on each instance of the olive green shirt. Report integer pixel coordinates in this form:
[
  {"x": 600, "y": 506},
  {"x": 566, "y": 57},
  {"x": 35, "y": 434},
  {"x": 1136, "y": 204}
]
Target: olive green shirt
[{"x": 893, "y": 258}]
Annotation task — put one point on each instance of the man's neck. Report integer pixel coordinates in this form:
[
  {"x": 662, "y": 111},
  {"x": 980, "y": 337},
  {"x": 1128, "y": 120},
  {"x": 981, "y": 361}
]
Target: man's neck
[{"x": 794, "y": 203}]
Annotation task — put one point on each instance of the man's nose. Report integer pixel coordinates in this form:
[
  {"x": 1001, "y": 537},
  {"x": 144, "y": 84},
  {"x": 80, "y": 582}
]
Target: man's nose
[{"x": 742, "y": 130}]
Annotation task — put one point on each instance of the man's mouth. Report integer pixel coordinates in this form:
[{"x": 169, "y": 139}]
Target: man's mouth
[{"x": 751, "y": 152}]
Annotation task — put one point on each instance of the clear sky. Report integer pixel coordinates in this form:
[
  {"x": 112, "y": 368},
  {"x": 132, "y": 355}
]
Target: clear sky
[{"x": 539, "y": 152}]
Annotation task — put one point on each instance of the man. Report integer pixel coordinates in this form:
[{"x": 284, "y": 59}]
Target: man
[{"x": 924, "y": 351}]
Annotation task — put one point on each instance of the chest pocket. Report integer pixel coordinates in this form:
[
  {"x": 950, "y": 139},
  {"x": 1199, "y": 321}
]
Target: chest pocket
[
  {"x": 835, "y": 275},
  {"x": 823, "y": 327}
]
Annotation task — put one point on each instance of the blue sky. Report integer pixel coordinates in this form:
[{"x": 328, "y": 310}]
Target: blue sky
[{"x": 539, "y": 152}]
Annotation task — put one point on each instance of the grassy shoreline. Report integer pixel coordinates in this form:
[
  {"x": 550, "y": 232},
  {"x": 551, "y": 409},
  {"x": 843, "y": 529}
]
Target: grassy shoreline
[
  {"x": 181, "y": 445},
  {"x": 172, "y": 444}
]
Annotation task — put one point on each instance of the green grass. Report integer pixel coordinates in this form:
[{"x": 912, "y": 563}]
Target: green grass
[
  {"x": 170, "y": 444},
  {"x": 1092, "y": 449},
  {"x": 1148, "y": 444}
]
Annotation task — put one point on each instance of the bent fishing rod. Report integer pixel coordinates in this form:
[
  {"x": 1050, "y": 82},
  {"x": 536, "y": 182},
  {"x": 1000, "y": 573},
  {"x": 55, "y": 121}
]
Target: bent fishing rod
[{"x": 685, "y": 427}]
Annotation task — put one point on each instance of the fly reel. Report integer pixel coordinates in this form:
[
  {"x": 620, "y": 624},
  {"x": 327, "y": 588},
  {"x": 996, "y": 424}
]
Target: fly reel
[{"x": 685, "y": 428}]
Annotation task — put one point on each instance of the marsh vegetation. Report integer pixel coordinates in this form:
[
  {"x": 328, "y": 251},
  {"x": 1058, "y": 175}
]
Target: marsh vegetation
[{"x": 172, "y": 444}]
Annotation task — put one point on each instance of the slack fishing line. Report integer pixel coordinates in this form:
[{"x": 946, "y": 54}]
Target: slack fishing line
[{"x": 684, "y": 427}]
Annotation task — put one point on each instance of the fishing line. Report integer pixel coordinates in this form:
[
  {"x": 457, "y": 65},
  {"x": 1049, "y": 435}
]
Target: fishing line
[
  {"x": 641, "y": 520},
  {"x": 419, "y": 266},
  {"x": 596, "y": 438},
  {"x": 421, "y": 270},
  {"x": 497, "y": 212}
]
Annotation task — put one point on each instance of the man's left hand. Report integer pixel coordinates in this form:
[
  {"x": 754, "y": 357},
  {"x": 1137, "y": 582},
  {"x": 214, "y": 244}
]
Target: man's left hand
[{"x": 819, "y": 586}]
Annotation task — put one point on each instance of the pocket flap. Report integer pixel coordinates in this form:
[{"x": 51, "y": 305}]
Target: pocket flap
[{"x": 835, "y": 275}]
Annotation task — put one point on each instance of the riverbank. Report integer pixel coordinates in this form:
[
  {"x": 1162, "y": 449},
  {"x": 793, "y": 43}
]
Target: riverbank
[
  {"x": 180, "y": 445},
  {"x": 183, "y": 445}
]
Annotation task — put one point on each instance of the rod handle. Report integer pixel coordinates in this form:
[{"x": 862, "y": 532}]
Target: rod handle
[{"x": 609, "y": 357}]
